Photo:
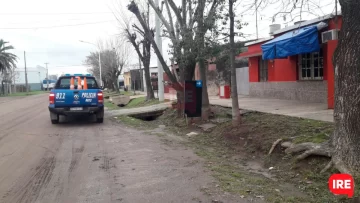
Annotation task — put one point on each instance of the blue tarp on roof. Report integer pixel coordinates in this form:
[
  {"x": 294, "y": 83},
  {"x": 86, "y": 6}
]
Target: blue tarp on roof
[{"x": 299, "y": 41}]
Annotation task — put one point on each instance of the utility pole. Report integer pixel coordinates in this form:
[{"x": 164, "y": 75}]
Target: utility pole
[
  {"x": 47, "y": 77},
  {"x": 101, "y": 82},
  {"x": 141, "y": 76},
  {"x": 256, "y": 11},
  {"x": 41, "y": 85},
  {"x": 14, "y": 76},
  {"x": 336, "y": 15},
  {"x": 26, "y": 79},
  {"x": 159, "y": 45}
]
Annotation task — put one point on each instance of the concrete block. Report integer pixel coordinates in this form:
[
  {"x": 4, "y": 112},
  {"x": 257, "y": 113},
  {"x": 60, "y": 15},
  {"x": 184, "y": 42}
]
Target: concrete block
[{"x": 120, "y": 100}]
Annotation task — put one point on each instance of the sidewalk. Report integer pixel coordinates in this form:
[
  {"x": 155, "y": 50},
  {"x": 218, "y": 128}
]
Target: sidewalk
[{"x": 315, "y": 111}]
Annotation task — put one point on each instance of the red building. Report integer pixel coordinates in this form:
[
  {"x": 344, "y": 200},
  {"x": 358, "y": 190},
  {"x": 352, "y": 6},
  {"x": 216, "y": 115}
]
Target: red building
[{"x": 285, "y": 71}]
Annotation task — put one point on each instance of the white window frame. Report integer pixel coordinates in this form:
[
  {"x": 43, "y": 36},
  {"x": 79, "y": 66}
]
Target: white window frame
[{"x": 312, "y": 69}]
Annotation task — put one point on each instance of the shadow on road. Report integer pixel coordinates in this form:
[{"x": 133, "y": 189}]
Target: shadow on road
[{"x": 74, "y": 121}]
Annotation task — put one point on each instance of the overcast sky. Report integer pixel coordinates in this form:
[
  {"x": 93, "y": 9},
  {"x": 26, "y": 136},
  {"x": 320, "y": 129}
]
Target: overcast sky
[{"x": 49, "y": 30}]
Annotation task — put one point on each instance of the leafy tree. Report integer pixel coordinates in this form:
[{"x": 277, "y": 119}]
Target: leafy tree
[{"x": 7, "y": 60}]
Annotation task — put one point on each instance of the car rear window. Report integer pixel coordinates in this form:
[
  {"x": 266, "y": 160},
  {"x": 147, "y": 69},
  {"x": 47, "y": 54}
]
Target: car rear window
[{"x": 64, "y": 83}]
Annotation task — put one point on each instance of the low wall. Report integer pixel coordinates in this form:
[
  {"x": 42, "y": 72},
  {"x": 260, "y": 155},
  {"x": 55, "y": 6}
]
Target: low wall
[{"x": 308, "y": 91}]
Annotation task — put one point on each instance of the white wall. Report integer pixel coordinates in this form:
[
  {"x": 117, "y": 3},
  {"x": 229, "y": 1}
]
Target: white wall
[
  {"x": 242, "y": 81},
  {"x": 34, "y": 75}
]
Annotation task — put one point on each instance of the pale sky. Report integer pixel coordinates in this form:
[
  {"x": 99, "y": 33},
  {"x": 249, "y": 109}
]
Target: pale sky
[{"x": 49, "y": 30}]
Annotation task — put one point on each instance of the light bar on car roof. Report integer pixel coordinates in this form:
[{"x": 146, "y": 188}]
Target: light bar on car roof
[{"x": 77, "y": 74}]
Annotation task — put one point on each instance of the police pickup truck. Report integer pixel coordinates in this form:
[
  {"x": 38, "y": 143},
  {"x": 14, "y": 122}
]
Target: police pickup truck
[{"x": 76, "y": 94}]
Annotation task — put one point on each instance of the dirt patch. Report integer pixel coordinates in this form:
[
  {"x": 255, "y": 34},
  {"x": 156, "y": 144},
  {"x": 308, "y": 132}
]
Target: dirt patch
[{"x": 238, "y": 156}]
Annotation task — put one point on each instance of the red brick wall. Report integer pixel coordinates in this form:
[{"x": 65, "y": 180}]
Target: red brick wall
[
  {"x": 255, "y": 48},
  {"x": 332, "y": 23},
  {"x": 329, "y": 71},
  {"x": 284, "y": 69}
]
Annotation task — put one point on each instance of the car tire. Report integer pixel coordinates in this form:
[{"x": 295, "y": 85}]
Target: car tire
[
  {"x": 99, "y": 120},
  {"x": 54, "y": 118}
]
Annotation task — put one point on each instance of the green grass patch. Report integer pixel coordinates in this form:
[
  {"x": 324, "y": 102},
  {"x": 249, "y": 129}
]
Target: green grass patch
[
  {"x": 113, "y": 94},
  {"x": 128, "y": 93},
  {"x": 140, "y": 102},
  {"x": 237, "y": 156},
  {"x": 231, "y": 152},
  {"x": 110, "y": 105},
  {"x": 136, "y": 123}
]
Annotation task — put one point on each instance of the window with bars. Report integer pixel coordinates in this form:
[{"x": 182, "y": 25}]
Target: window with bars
[
  {"x": 311, "y": 66},
  {"x": 263, "y": 70}
]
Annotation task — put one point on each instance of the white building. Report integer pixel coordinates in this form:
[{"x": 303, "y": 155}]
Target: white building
[{"x": 35, "y": 77}]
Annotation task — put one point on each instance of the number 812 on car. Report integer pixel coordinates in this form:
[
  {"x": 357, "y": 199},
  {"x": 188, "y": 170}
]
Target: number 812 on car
[{"x": 60, "y": 95}]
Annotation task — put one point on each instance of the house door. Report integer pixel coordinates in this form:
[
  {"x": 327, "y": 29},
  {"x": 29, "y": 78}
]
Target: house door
[{"x": 242, "y": 80}]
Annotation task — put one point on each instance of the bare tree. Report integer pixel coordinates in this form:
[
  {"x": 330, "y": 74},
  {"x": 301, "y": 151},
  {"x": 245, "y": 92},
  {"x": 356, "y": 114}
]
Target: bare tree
[
  {"x": 187, "y": 35},
  {"x": 142, "y": 47},
  {"x": 149, "y": 35},
  {"x": 113, "y": 59}
]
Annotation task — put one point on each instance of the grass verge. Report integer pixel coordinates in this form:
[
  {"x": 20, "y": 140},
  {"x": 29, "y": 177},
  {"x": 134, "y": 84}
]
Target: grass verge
[
  {"x": 141, "y": 101},
  {"x": 238, "y": 156},
  {"x": 110, "y": 105},
  {"x": 136, "y": 123}
]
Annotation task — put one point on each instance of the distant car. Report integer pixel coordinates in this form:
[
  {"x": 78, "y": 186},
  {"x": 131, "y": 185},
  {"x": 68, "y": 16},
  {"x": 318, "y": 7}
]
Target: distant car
[
  {"x": 48, "y": 84},
  {"x": 72, "y": 96}
]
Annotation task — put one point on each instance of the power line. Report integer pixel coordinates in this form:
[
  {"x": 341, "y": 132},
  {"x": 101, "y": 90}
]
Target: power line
[
  {"x": 52, "y": 21},
  {"x": 53, "y": 52},
  {"x": 56, "y": 26},
  {"x": 64, "y": 66},
  {"x": 88, "y": 13}
]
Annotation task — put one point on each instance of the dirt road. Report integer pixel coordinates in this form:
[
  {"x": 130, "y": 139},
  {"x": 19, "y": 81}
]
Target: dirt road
[{"x": 90, "y": 162}]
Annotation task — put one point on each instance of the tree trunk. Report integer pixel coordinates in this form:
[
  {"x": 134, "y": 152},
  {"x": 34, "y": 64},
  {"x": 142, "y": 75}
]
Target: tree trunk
[
  {"x": 2, "y": 88},
  {"x": 205, "y": 110},
  {"x": 149, "y": 89},
  {"x": 116, "y": 84},
  {"x": 346, "y": 137},
  {"x": 135, "y": 10},
  {"x": 185, "y": 75},
  {"x": 234, "y": 96}
]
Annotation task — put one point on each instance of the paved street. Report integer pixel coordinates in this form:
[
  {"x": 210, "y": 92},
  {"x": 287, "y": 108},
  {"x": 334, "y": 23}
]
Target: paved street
[{"x": 90, "y": 162}]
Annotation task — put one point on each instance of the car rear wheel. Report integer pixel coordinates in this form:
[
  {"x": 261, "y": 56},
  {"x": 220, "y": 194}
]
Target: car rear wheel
[
  {"x": 54, "y": 118},
  {"x": 99, "y": 120}
]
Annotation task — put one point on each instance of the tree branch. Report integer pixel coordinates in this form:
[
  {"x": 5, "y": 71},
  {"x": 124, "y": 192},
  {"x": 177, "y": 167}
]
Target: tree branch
[
  {"x": 209, "y": 21},
  {"x": 162, "y": 18},
  {"x": 171, "y": 31},
  {"x": 177, "y": 13}
]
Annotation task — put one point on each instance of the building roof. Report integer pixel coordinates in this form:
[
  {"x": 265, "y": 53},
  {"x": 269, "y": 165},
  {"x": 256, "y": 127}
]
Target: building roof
[
  {"x": 306, "y": 23},
  {"x": 289, "y": 28},
  {"x": 258, "y": 41}
]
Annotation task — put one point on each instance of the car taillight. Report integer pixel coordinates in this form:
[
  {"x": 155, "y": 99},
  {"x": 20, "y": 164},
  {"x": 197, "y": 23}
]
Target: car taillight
[
  {"x": 100, "y": 97},
  {"x": 52, "y": 98}
]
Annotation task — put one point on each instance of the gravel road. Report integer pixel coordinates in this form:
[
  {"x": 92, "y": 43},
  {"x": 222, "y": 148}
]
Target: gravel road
[{"x": 88, "y": 162}]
